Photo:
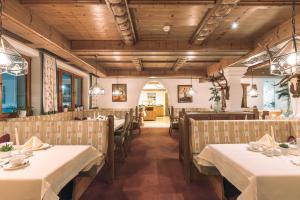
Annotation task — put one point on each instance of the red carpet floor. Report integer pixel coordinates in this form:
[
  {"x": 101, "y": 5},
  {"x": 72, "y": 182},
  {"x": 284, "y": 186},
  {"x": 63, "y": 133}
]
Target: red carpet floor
[{"x": 151, "y": 171}]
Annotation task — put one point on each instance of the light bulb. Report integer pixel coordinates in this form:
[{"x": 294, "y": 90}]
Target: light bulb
[
  {"x": 4, "y": 59},
  {"x": 191, "y": 92},
  {"x": 167, "y": 28},
  {"x": 272, "y": 67},
  {"x": 96, "y": 91},
  {"x": 292, "y": 59},
  {"x": 253, "y": 92},
  {"x": 234, "y": 25}
]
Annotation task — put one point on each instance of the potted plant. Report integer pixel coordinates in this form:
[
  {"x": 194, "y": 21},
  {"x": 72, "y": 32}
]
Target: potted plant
[
  {"x": 21, "y": 111},
  {"x": 65, "y": 108},
  {"x": 284, "y": 93},
  {"x": 216, "y": 98}
]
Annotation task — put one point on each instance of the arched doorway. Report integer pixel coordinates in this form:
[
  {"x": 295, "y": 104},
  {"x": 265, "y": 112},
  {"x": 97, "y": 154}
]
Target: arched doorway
[{"x": 154, "y": 99}]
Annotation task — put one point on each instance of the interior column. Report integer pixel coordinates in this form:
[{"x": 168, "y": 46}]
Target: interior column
[{"x": 234, "y": 76}]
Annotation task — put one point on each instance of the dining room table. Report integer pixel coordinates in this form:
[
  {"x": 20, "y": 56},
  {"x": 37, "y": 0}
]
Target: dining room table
[
  {"x": 48, "y": 172},
  {"x": 255, "y": 175}
]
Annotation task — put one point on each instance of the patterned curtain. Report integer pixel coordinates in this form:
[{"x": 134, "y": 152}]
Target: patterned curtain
[
  {"x": 49, "y": 84},
  {"x": 93, "y": 99}
]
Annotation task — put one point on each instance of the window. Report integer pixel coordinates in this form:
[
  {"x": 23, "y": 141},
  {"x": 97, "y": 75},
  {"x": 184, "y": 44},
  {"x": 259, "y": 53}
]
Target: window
[
  {"x": 78, "y": 91},
  {"x": 276, "y": 98},
  {"x": 69, "y": 90},
  {"x": 66, "y": 90},
  {"x": 15, "y": 93}
]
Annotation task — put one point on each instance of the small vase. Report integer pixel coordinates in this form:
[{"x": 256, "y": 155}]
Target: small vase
[
  {"x": 217, "y": 106},
  {"x": 65, "y": 109},
  {"x": 22, "y": 113}
]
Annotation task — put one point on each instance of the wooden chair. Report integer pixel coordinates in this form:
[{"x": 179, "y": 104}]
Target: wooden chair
[
  {"x": 136, "y": 122},
  {"x": 121, "y": 137},
  {"x": 174, "y": 122}
]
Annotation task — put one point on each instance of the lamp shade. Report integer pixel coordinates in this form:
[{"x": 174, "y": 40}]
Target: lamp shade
[
  {"x": 191, "y": 91},
  {"x": 253, "y": 91},
  {"x": 11, "y": 62}
]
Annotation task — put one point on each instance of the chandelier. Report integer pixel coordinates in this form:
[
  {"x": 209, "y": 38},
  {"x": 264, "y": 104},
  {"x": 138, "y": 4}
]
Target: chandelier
[
  {"x": 286, "y": 60},
  {"x": 96, "y": 90},
  {"x": 11, "y": 62}
]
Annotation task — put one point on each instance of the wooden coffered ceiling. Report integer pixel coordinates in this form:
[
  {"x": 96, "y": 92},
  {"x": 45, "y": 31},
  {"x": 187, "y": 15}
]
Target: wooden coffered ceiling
[{"x": 127, "y": 36}]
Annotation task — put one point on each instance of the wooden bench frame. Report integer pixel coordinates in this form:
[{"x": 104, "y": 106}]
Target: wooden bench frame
[{"x": 185, "y": 150}]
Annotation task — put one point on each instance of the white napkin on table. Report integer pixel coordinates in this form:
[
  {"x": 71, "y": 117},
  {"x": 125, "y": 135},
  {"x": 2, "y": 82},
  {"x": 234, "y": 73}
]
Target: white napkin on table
[
  {"x": 33, "y": 143},
  {"x": 267, "y": 140}
]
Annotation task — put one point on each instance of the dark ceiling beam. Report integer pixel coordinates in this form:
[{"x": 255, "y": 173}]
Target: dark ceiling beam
[
  {"x": 162, "y": 2},
  {"x": 156, "y": 73},
  {"x": 212, "y": 19},
  {"x": 94, "y": 46},
  {"x": 123, "y": 20}
]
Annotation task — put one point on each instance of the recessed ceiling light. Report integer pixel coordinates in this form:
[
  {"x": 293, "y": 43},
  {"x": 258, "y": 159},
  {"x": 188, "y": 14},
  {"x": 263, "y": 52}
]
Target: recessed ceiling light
[
  {"x": 167, "y": 28},
  {"x": 234, "y": 25}
]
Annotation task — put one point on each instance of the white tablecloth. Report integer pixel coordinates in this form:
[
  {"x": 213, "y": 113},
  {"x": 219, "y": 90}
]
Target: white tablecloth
[
  {"x": 49, "y": 171},
  {"x": 257, "y": 176}
]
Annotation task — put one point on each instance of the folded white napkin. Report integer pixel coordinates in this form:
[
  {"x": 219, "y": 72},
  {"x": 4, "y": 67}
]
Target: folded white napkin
[
  {"x": 267, "y": 140},
  {"x": 33, "y": 143}
]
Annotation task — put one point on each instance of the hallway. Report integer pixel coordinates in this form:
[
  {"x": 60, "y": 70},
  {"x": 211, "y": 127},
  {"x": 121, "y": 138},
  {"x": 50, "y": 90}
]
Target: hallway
[{"x": 151, "y": 171}]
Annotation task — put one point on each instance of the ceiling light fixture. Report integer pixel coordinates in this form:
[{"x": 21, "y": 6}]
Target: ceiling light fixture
[
  {"x": 11, "y": 62},
  {"x": 167, "y": 28},
  {"x": 234, "y": 25},
  {"x": 191, "y": 90},
  {"x": 96, "y": 90},
  {"x": 253, "y": 90},
  {"x": 286, "y": 60}
]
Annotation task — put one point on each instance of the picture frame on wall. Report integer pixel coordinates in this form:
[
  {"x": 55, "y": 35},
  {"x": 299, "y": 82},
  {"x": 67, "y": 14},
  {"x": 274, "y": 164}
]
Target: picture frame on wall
[
  {"x": 119, "y": 92},
  {"x": 183, "y": 95}
]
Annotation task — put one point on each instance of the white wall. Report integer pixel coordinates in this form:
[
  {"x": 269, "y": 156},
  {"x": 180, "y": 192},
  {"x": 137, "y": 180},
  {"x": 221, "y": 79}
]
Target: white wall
[{"x": 135, "y": 86}]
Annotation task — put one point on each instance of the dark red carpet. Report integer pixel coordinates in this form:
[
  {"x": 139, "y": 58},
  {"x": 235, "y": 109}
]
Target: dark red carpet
[{"x": 151, "y": 171}]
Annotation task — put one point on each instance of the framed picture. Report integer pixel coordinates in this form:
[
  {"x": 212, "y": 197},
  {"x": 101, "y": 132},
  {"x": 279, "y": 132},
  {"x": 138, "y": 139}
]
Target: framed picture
[
  {"x": 119, "y": 92},
  {"x": 183, "y": 94}
]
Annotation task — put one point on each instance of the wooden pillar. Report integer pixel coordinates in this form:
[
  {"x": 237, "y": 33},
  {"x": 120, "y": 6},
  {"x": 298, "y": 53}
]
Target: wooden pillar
[
  {"x": 186, "y": 149},
  {"x": 110, "y": 150},
  {"x": 245, "y": 97}
]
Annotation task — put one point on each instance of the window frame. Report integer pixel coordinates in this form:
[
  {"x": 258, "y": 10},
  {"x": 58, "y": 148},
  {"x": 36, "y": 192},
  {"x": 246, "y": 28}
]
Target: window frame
[
  {"x": 28, "y": 92},
  {"x": 60, "y": 73}
]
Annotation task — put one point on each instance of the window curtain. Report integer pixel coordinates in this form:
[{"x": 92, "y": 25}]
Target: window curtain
[{"x": 49, "y": 84}]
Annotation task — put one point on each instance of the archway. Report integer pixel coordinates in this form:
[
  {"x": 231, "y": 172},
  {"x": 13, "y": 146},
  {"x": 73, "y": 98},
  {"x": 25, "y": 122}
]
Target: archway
[{"x": 154, "y": 99}]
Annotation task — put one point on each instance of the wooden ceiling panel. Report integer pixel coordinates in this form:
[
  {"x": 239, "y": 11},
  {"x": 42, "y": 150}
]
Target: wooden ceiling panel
[
  {"x": 166, "y": 65},
  {"x": 183, "y": 20},
  {"x": 79, "y": 22},
  {"x": 116, "y": 65},
  {"x": 253, "y": 22}
]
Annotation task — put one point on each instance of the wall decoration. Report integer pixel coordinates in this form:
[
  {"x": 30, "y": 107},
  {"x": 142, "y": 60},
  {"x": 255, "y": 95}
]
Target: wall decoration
[
  {"x": 119, "y": 92},
  {"x": 183, "y": 94},
  {"x": 49, "y": 84}
]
